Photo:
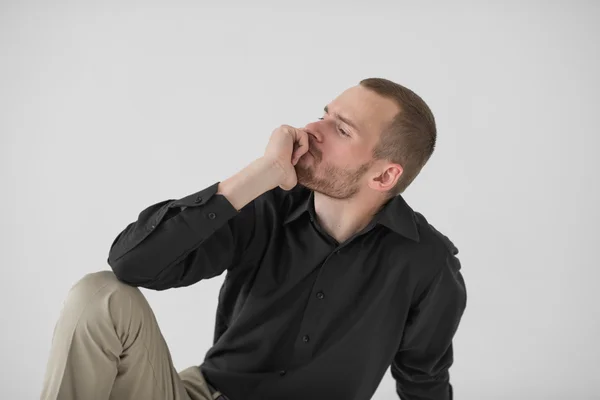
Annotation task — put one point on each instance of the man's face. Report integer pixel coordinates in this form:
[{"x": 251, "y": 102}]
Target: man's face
[{"x": 339, "y": 158}]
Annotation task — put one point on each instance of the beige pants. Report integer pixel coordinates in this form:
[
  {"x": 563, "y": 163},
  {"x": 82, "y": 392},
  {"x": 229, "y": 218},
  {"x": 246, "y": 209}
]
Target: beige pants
[{"x": 107, "y": 345}]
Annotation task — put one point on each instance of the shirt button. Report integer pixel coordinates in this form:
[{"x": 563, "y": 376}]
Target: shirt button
[
  {"x": 282, "y": 372},
  {"x": 305, "y": 338},
  {"x": 320, "y": 295},
  {"x": 198, "y": 199},
  {"x": 212, "y": 215}
]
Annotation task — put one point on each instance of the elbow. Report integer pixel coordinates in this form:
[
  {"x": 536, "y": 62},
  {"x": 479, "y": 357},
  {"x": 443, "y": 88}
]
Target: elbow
[
  {"x": 134, "y": 276},
  {"x": 124, "y": 273}
]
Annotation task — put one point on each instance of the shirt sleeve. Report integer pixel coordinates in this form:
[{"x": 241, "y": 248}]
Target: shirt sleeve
[
  {"x": 421, "y": 365},
  {"x": 177, "y": 243}
]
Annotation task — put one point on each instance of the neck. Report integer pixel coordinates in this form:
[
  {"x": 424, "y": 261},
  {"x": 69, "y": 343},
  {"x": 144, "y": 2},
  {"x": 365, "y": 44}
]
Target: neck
[{"x": 343, "y": 218}]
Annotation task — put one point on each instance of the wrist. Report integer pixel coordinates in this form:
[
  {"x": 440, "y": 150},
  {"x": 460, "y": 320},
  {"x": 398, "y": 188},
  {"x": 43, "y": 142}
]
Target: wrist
[
  {"x": 260, "y": 176},
  {"x": 271, "y": 171}
]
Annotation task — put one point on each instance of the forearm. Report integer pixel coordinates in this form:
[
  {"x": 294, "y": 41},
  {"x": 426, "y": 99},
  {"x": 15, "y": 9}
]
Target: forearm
[
  {"x": 255, "y": 179},
  {"x": 165, "y": 246}
]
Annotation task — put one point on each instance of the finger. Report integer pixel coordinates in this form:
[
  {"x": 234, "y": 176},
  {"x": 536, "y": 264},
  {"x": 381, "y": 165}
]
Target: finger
[
  {"x": 303, "y": 142},
  {"x": 302, "y": 146},
  {"x": 295, "y": 157}
]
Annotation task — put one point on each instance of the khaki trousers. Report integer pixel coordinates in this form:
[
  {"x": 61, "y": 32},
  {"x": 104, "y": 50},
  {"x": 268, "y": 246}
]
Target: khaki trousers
[{"x": 107, "y": 345}]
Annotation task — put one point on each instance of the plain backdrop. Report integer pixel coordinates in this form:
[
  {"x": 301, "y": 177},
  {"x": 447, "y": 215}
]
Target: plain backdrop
[{"x": 109, "y": 107}]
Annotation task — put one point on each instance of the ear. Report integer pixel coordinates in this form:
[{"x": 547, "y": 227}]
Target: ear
[{"x": 386, "y": 177}]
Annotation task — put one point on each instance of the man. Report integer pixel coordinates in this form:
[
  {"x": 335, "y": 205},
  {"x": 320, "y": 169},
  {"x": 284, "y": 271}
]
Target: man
[{"x": 331, "y": 277}]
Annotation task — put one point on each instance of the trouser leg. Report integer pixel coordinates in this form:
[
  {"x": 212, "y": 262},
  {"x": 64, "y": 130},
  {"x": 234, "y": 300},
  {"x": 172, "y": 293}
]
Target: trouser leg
[{"x": 108, "y": 345}]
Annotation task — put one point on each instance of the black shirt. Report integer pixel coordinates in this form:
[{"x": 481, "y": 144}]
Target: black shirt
[{"x": 301, "y": 316}]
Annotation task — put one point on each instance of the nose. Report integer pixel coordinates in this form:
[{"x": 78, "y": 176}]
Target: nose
[{"x": 315, "y": 131}]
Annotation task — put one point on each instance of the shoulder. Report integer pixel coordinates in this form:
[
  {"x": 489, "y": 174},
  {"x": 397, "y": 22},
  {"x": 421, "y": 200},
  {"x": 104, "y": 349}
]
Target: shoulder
[
  {"x": 433, "y": 252},
  {"x": 430, "y": 238},
  {"x": 435, "y": 257}
]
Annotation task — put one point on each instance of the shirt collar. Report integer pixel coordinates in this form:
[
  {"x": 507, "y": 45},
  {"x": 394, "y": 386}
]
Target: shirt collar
[{"x": 396, "y": 214}]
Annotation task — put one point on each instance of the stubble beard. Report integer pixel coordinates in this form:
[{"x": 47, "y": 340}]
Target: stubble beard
[{"x": 334, "y": 182}]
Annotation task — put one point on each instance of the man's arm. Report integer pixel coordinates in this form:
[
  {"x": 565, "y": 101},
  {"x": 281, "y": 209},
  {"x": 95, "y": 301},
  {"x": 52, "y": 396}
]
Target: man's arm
[
  {"x": 420, "y": 367},
  {"x": 177, "y": 243}
]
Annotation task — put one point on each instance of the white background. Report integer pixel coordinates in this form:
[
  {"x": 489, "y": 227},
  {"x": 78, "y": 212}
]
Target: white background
[{"x": 109, "y": 107}]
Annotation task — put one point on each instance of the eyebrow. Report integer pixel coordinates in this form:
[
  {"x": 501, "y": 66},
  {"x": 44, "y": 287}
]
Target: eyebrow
[{"x": 343, "y": 119}]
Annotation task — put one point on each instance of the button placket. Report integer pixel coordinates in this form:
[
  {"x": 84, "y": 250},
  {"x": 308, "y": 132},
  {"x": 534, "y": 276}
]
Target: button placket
[{"x": 303, "y": 348}]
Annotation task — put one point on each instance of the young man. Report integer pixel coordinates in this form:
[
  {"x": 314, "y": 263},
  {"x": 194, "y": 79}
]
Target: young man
[{"x": 330, "y": 276}]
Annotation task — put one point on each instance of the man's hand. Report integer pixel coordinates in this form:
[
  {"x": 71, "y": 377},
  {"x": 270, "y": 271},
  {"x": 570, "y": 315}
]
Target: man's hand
[
  {"x": 286, "y": 145},
  {"x": 275, "y": 168}
]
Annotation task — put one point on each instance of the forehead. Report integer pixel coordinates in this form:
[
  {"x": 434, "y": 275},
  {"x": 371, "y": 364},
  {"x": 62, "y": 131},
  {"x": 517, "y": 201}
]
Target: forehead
[{"x": 369, "y": 110}]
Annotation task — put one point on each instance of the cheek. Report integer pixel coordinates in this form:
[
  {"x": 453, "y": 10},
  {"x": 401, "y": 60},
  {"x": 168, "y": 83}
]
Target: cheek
[{"x": 342, "y": 154}]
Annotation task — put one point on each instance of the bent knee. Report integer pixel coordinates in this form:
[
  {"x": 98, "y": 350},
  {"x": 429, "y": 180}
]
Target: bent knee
[
  {"x": 98, "y": 279},
  {"x": 99, "y": 298},
  {"x": 91, "y": 284}
]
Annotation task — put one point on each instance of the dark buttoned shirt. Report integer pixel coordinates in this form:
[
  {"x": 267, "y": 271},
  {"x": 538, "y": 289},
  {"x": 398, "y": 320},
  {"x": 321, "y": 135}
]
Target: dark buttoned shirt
[{"x": 301, "y": 316}]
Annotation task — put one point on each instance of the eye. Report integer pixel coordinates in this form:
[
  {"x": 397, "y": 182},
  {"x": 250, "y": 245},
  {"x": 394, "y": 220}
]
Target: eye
[{"x": 343, "y": 132}]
